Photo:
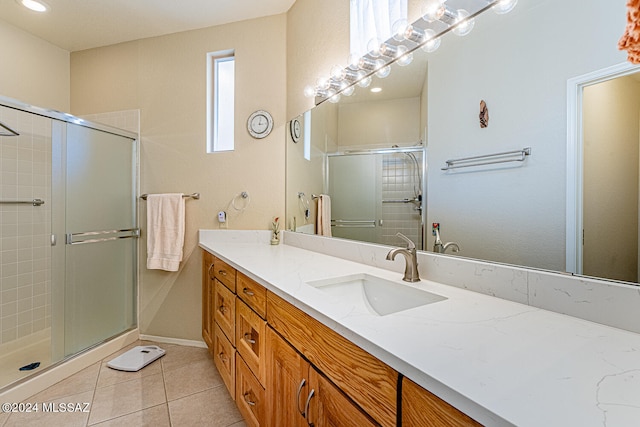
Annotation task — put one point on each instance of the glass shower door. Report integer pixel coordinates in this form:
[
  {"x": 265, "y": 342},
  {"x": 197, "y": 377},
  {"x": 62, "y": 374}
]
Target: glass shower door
[{"x": 100, "y": 217}]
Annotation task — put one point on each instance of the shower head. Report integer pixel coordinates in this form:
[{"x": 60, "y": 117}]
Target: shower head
[{"x": 7, "y": 131}]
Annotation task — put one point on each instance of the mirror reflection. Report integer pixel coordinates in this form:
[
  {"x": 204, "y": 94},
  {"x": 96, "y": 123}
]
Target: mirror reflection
[{"x": 522, "y": 213}]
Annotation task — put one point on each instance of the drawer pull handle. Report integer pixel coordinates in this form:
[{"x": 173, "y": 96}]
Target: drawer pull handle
[
  {"x": 248, "y": 292},
  {"x": 222, "y": 272},
  {"x": 298, "y": 397},
  {"x": 247, "y": 338},
  {"x": 209, "y": 271},
  {"x": 223, "y": 357},
  {"x": 222, "y": 309},
  {"x": 306, "y": 408},
  {"x": 246, "y": 399}
]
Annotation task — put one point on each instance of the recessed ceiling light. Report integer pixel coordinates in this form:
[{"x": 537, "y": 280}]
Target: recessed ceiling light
[
  {"x": 35, "y": 5},
  {"x": 376, "y": 89}
]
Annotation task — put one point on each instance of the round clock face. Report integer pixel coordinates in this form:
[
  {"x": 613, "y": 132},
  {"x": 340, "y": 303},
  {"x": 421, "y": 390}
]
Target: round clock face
[
  {"x": 260, "y": 124},
  {"x": 296, "y": 130}
]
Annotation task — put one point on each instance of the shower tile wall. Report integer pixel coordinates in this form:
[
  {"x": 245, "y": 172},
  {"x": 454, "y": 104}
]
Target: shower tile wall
[
  {"x": 25, "y": 249},
  {"x": 398, "y": 181}
]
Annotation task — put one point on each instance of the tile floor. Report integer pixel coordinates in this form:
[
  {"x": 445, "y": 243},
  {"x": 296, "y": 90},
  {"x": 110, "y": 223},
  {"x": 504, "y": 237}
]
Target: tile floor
[{"x": 182, "y": 388}]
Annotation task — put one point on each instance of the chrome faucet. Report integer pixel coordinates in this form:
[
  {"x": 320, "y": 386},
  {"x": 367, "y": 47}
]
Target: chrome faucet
[
  {"x": 441, "y": 248},
  {"x": 410, "y": 256}
]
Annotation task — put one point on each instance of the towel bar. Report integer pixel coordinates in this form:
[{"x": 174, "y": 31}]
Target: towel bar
[{"x": 192, "y": 196}]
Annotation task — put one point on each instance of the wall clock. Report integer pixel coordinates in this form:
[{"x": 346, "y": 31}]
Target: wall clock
[
  {"x": 296, "y": 129},
  {"x": 260, "y": 124}
]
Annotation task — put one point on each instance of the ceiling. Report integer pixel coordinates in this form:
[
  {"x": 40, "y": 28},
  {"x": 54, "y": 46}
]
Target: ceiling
[{"x": 83, "y": 24}]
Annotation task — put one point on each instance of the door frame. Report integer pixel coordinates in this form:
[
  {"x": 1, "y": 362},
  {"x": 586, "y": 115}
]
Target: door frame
[{"x": 575, "y": 158}]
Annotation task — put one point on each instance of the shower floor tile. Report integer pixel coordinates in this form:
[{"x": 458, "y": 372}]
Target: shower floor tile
[{"x": 182, "y": 388}]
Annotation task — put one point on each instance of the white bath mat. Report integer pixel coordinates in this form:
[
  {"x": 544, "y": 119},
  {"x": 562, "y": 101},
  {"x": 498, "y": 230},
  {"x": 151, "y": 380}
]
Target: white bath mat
[{"x": 136, "y": 358}]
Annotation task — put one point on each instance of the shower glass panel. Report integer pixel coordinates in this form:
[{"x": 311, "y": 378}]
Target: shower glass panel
[
  {"x": 68, "y": 229},
  {"x": 377, "y": 194},
  {"x": 100, "y": 237}
]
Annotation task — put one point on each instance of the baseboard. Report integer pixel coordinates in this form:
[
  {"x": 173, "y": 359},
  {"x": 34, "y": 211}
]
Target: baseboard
[
  {"x": 178, "y": 341},
  {"x": 59, "y": 372}
]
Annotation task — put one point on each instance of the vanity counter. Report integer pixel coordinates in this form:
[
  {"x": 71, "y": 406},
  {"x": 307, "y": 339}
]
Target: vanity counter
[{"x": 500, "y": 362}]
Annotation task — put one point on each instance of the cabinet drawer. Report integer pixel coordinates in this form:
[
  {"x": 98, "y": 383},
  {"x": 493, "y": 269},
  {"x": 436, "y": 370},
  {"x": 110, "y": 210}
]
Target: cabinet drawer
[
  {"x": 224, "y": 357},
  {"x": 224, "y": 308},
  {"x": 368, "y": 381},
  {"x": 254, "y": 294},
  {"x": 251, "y": 339},
  {"x": 250, "y": 396},
  {"x": 420, "y": 407},
  {"x": 225, "y": 274}
]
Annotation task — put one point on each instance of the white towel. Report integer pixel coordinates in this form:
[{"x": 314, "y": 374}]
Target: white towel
[
  {"x": 323, "y": 217},
  {"x": 165, "y": 231}
]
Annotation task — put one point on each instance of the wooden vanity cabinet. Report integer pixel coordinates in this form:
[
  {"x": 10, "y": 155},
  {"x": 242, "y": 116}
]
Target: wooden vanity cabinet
[
  {"x": 422, "y": 408},
  {"x": 300, "y": 396},
  {"x": 368, "y": 381},
  {"x": 292, "y": 370},
  {"x": 208, "y": 321}
]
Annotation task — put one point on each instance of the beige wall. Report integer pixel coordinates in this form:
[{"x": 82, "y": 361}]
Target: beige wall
[
  {"x": 383, "y": 123},
  {"x": 318, "y": 39},
  {"x": 611, "y": 112},
  {"x": 33, "y": 70},
  {"x": 165, "y": 77}
]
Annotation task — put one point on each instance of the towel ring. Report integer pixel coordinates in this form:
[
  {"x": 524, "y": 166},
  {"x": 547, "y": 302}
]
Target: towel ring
[
  {"x": 304, "y": 204},
  {"x": 245, "y": 196}
]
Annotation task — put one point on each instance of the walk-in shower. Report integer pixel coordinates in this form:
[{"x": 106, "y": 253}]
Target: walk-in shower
[
  {"x": 67, "y": 238},
  {"x": 376, "y": 194}
]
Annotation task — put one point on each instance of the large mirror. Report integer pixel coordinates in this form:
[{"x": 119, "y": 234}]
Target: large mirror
[{"x": 522, "y": 212}]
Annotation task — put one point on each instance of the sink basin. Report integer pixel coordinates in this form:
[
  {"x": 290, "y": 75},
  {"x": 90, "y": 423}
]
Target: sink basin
[{"x": 375, "y": 295}]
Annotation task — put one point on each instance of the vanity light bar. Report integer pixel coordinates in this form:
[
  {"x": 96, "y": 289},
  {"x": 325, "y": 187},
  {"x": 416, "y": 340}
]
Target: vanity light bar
[{"x": 424, "y": 33}]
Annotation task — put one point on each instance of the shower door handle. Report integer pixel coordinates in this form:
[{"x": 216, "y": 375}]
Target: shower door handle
[{"x": 102, "y": 236}]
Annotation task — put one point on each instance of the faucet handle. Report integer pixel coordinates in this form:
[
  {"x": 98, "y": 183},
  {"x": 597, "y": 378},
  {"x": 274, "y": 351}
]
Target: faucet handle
[{"x": 410, "y": 244}]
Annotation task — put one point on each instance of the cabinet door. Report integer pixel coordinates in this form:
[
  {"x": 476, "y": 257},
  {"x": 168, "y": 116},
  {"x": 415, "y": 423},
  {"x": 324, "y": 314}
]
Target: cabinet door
[
  {"x": 224, "y": 309},
  {"x": 329, "y": 407},
  {"x": 250, "y": 396},
  {"x": 287, "y": 383},
  {"x": 422, "y": 408},
  {"x": 207, "y": 299},
  {"x": 250, "y": 339},
  {"x": 224, "y": 357}
]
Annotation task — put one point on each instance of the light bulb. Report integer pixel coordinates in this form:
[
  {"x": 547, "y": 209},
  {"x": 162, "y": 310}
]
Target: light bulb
[
  {"x": 364, "y": 81},
  {"x": 383, "y": 71},
  {"x": 373, "y": 47},
  {"x": 504, "y": 6},
  {"x": 337, "y": 73},
  {"x": 334, "y": 98},
  {"x": 398, "y": 29},
  {"x": 353, "y": 60},
  {"x": 323, "y": 83},
  {"x": 348, "y": 91},
  {"x": 433, "y": 10},
  {"x": 433, "y": 43},
  {"x": 404, "y": 57},
  {"x": 309, "y": 91},
  {"x": 464, "y": 24}
]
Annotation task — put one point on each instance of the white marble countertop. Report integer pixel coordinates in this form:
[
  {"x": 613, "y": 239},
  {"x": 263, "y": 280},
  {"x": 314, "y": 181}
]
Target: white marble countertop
[{"x": 500, "y": 362}]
